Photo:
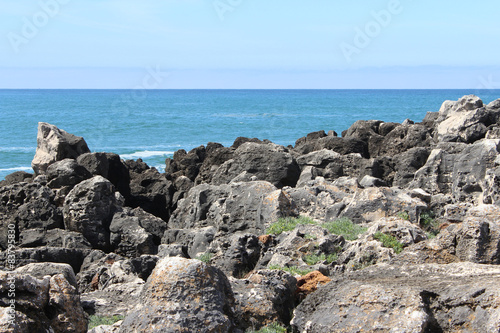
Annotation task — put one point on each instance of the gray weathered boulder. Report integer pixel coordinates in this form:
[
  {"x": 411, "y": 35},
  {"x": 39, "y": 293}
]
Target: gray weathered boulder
[
  {"x": 264, "y": 297},
  {"x": 134, "y": 232},
  {"x": 417, "y": 298},
  {"x": 50, "y": 304},
  {"x": 458, "y": 170},
  {"x": 268, "y": 162},
  {"x": 71, "y": 256},
  {"x": 89, "y": 208},
  {"x": 465, "y": 120},
  {"x": 373, "y": 203},
  {"x": 54, "y": 237},
  {"x": 54, "y": 144},
  {"x": 183, "y": 295},
  {"x": 248, "y": 206}
]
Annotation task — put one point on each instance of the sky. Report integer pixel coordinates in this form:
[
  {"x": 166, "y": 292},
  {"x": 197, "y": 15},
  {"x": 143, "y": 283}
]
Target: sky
[{"x": 249, "y": 44}]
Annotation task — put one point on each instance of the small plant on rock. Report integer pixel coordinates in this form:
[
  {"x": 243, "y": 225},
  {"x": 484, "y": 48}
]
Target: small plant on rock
[
  {"x": 429, "y": 224},
  {"x": 404, "y": 215},
  {"x": 310, "y": 237},
  {"x": 288, "y": 224},
  {"x": 294, "y": 270},
  {"x": 95, "y": 320},
  {"x": 271, "y": 328},
  {"x": 205, "y": 257},
  {"x": 389, "y": 241},
  {"x": 345, "y": 228}
]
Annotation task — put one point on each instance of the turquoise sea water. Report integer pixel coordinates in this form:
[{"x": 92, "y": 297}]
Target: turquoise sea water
[{"x": 152, "y": 124}]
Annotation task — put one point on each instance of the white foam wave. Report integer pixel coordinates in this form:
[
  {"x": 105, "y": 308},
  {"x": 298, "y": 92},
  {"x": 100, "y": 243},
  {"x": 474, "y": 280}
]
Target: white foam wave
[
  {"x": 17, "y": 149},
  {"x": 17, "y": 169},
  {"x": 145, "y": 154}
]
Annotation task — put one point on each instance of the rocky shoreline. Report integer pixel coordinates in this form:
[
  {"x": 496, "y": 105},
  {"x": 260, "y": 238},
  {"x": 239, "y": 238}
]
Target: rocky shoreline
[{"x": 389, "y": 227}]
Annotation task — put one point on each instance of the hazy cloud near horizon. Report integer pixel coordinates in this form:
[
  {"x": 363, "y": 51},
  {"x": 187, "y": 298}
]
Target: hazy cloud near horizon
[{"x": 250, "y": 44}]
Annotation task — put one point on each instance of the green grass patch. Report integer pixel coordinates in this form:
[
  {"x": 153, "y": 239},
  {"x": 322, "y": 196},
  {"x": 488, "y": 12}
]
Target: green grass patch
[
  {"x": 404, "y": 215},
  {"x": 101, "y": 320},
  {"x": 429, "y": 224},
  {"x": 310, "y": 237},
  {"x": 288, "y": 224},
  {"x": 294, "y": 270},
  {"x": 389, "y": 241},
  {"x": 205, "y": 257},
  {"x": 345, "y": 228},
  {"x": 271, "y": 328}
]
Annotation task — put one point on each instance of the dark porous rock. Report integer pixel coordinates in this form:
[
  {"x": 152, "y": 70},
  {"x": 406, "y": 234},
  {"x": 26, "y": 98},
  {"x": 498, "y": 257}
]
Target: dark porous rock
[
  {"x": 416, "y": 298},
  {"x": 183, "y": 295},
  {"x": 241, "y": 140},
  {"x": 407, "y": 163},
  {"x": 54, "y": 238},
  {"x": 186, "y": 164},
  {"x": 54, "y": 144},
  {"x": 50, "y": 304},
  {"x": 89, "y": 208},
  {"x": 110, "y": 167},
  {"x": 94, "y": 272},
  {"x": 134, "y": 232},
  {"x": 239, "y": 256},
  {"x": 151, "y": 191},
  {"x": 190, "y": 243},
  {"x": 66, "y": 173},
  {"x": 17, "y": 177},
  {"x": 42, "y": 254},
  {"x": 27, "y": 205},
  {"x": 400, "y": 139},
  {"x": 264, "y": 297},
  {"x": 216, "y": 156},
  {"x": 268, "y": 162}
]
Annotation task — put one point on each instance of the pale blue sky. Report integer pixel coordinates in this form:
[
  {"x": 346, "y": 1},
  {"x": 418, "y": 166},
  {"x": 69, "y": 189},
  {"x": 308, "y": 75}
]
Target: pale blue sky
[{"x": 250, "y": 43}]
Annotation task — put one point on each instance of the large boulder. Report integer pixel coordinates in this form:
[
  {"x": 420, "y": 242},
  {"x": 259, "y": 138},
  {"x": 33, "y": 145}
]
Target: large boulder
[
  {"x": 89, "y": 208},
  {"x": 465, "y": 120},
  {"x": 66, "y": 173},
  {"x": 54, "y": 238},
  {"x": 246, "y": 206},
  {"x": 25, "y": 206},
  {"x": 54, "y": 144},
  {"x": 416, "y": 298},
  {"x": 183, "y": 295},
  {"x": 151, "y": 191},
  {"x": 71, "y": 256},
  {"x": 49, "y": 304},
  {"x": 268, "y": 162},
  {"x": 373, "y": 203},
  {"x": 264, "y": 297},
  {"x": 135, "y": 232},
  {"x": 458, "y": 169}
]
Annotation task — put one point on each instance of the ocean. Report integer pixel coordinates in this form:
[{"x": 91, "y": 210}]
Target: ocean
[{"x": 152, "y": 124}]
